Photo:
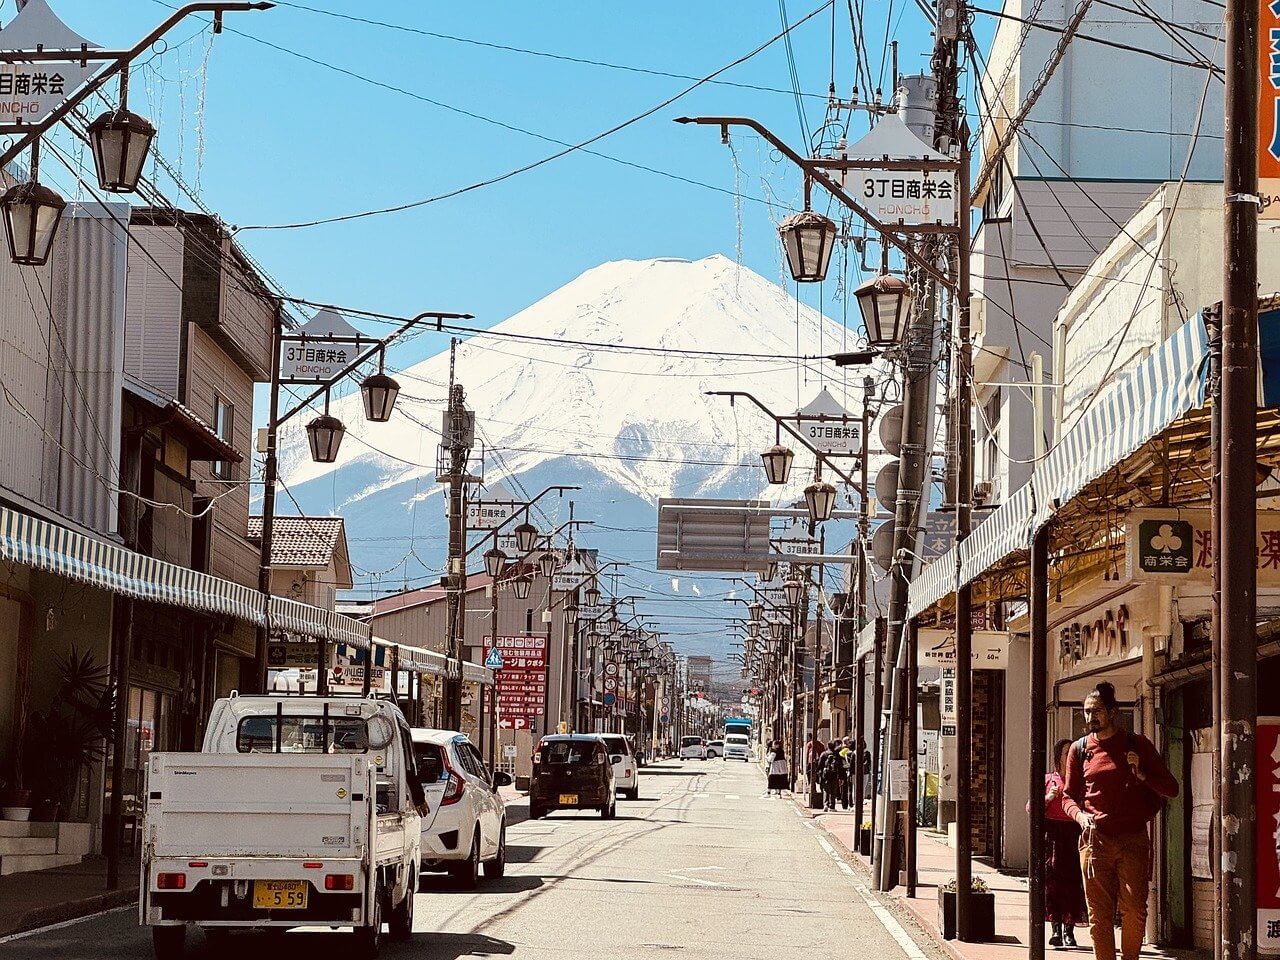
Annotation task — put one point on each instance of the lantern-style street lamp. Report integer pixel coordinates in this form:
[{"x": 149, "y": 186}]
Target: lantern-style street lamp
[
  {"x": 777, "y": 463},
  {"x": 120, "y": 141},
  {"x": 591, "y": 595},
  {"x": 521, "y": 585},
  {"x": 31, "y": 214},
  {"x": 777, "y": 630},
  {"x": 793, "y": 589},
  {"x": 885, "y": 302},
  {"x": 820, "y": 498},
  {"x": 526, "y": 537},
  {"x": 571, "y": 615},
  {"x": 756, "y": 610},
  {"x": 807, "y": 240},
  {"x": 495, "y": 561},
  {"x": 324, "y": 434},
  {"x": 379, "y": 392},
  {"x": 548, "y": 564}
]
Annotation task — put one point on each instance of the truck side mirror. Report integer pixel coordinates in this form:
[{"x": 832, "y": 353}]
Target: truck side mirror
[{"x": 501, "y": 779}]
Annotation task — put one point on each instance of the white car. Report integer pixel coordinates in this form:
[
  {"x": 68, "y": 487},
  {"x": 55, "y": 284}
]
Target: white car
[
  {"x": 737, "y": 747},
  {"x": 693, "y": 748},
  {"x": 626, "y": 776},
  {"x": 715, "y": 749},
  {"x": 465, "y": 826}
]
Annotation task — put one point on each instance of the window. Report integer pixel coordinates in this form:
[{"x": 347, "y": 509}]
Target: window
[
  {"x": 990, "y": 466},
  {"x": 568, "y": 753},
  {"x": 302, "y": 735},
  {"x": 224, "y": 414},
  {"x": 618, "y": 745},
  {"x": 430, "y": 762},
  {"x": 994, "y": 199}
]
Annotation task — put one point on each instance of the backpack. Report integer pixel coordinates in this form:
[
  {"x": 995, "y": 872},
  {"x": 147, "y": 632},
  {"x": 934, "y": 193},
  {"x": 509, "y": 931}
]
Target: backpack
[{"x": 1147, "y": 800}]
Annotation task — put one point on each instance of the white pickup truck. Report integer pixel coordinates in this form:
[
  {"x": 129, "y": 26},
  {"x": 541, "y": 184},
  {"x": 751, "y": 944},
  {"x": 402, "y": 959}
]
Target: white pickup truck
[{"x": 298, "y": 811}]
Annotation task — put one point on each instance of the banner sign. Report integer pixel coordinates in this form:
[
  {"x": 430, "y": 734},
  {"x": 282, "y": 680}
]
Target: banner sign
[
  {"x": 1169, "y": 545},
  {"x": 30, "y": 91},
  {"x": 829, "y": 427},
  {"x": 910, "y": 198},
  {"x": 284, "y": 656},
  {"x": 1268, "y": 120},
  {"x": 521, "y": 688},
  {"x": 488, "y": 514},
  {"x": 1267, "y": 839},
  {"x": 321, "y": 348},
  {"x": 947, "y": 692},
  {"x": 937, "y": 648}
]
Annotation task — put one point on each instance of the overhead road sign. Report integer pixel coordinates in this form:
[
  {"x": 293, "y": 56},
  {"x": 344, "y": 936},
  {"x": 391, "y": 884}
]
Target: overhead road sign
[{"x": 725, "y": 535}]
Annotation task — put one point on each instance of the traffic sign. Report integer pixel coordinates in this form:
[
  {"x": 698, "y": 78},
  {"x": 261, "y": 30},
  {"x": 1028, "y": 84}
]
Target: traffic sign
[
  {"x": 664, "y": 718},
  {"x": 610, "y": 669},
  {"x": 609, "y": 699},
  {"x": 494, "y": 660},
  {"x": 610, "y": 684}
]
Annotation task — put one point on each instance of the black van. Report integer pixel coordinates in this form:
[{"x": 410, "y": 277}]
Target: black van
[{"x": 572, "y": 772}]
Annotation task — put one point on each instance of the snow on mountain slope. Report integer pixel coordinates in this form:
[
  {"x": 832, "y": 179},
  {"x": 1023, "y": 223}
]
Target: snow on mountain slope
[{"x": 629, "y": 426}]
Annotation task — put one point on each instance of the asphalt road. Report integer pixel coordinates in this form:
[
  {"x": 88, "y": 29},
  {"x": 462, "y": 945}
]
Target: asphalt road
[{"x": 702, "y": 867}]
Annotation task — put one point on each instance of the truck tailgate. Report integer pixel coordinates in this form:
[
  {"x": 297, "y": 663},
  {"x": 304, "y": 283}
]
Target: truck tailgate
[{"x": 255, "y": 804}]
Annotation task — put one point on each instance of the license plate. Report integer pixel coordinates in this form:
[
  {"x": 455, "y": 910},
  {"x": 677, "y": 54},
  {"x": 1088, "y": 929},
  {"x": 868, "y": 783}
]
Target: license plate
[
  {"x": 569, "y": 799},
  {"x": 280, "y": 894}
]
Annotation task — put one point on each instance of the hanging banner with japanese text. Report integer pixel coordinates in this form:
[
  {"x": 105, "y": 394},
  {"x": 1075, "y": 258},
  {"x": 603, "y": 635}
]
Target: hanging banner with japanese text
[{"x": 522, "y": 682}]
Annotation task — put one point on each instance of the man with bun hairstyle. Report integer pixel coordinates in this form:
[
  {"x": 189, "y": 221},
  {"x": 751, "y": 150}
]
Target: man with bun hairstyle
[{"x": 1116, "y": 783}]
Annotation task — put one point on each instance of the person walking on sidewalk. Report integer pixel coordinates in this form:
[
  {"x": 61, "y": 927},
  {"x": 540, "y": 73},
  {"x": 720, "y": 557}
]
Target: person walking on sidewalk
[
  {"x": 779, "y": 773},
  {"x": 829, "y": 768},
  {"x": 1063, "y": 885},
  {"x": 849, "y": 758},
  {"x": 1116, "y": 783}
]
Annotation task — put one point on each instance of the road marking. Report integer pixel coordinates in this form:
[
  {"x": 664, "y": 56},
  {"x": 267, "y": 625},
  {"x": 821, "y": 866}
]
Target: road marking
[
  {"x": 732, "y": 796},
  {"x": 822, "y": 842},
  {"x": 705, "y": 883},
  {"x": 65, "y": 923},
  {"x": 890, "y": 923},
  {"x": 845, "y": 868},
  {"x": 697, "y": 869}
]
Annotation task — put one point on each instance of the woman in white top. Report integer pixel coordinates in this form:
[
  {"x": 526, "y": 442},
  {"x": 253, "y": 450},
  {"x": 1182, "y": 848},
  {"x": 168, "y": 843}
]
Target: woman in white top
[{"x": 779, "y": 771}]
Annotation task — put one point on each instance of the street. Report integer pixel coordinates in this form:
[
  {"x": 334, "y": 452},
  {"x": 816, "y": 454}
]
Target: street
[{"x": 702, "y": 864}]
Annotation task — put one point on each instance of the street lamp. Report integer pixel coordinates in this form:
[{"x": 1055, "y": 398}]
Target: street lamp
[
  {"x": 756, "y": 610},
  {"x": 526, "y": 537},
  {"x": 379, "y": 392},
  {"x": 591, "y": 595},
  {"x": 793, "y": 589},
  {"x": 324, "y": 434},
  {"x": 120, "y": 140},
  {"x": 885, "y": 302},
  {"x": 820, "y": 498},
  {"x": 495, "y": 561},
  {"x": 570, "y": 616},
  {"x": 777, "y": 463},
  {"x": 777, "y": 630},
  {"x": 31, "y": 213},
  {"x": 807, "y": 240},
  {"x": 753, "y": 630},
  {"x": 547, "y": 564},
  {"x": 520, "y": 586}
]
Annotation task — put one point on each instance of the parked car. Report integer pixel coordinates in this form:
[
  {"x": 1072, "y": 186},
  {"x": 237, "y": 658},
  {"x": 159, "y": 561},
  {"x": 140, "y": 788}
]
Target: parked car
[
  {"x": 626, "y": 775},
  {"x": 465, "y": 826},
  {"x": 737, "y": 747},
  {"x": 693, "y": 748},
  {"x": 715, "y": 749},
  {"x": 572, "y": 771}
]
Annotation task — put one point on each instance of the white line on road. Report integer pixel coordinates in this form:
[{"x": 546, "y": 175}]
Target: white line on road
[
  {"x": 890, "y": 923},
  {"x": 65, "y": 923},
  {"x": 732, "y": 796},
  {"x": 705, "y": 883},
  {"x": 822, "y": 842}
]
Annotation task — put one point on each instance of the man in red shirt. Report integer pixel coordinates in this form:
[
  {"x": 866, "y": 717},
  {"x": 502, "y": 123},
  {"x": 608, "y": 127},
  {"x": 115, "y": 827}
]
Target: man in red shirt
[{"x": 1115, "y": 785}]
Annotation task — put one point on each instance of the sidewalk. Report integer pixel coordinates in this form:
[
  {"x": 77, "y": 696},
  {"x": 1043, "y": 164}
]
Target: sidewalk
[
  {"x": 42, "y": 897},
  {"x": 935, "y": 867}
]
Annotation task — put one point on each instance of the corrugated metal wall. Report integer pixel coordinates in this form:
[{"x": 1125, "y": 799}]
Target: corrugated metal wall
[
  {"x": 153, "y": 316},
  {"x": 24, "y": 365}
]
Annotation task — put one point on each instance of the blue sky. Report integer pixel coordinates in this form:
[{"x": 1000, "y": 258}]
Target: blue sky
[{"x": 285, "y": 140}]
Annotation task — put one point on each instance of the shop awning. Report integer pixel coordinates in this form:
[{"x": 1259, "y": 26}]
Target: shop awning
[
  {"x": 1162, "y": 388},
  {"x": 47, "y": 546},
  {"x": 294, "y": 616}
]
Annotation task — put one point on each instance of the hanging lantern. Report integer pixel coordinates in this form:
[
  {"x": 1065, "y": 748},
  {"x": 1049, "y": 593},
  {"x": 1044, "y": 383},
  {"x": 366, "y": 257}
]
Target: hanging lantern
[
  {"x": 820, "y": 498},
  {"x": 571, "y": 616},
  {"x": 324, "y": 433},
  {"x": 807, "y": 240},
  {"x": 777, "y": 463},
  {"x": 885, "y": 302},
  {"x": 120, "y": 141},
  {"x": 31, "y": 212},
  {"x": 548, "y": 563},
  {"x": 521, "y": 585},
  {"x": 591, "y": 595},
  {"x": 794, "y": 590},
  {"x": 526, "y": 537},
  {"x": 380, "y": 392},
  {"x": 753, "y": 630},
  {"x": 756, "y": 610},
  {"x": 495, "y": 561},
  {"x": 777, "y": 630}
]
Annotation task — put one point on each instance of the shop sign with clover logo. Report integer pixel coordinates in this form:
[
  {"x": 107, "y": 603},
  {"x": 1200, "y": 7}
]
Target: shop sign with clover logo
[{"x": 1164, "y": 546}]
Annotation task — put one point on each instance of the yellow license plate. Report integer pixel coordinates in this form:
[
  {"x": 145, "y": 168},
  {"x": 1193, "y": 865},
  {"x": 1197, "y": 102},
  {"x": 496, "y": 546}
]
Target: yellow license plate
[
  {"x": 280, "y": 894},
  {"x": 569, "y": 799}
]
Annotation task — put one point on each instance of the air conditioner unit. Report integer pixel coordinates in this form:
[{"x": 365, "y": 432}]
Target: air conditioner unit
[{"x": 983, "y": 491}]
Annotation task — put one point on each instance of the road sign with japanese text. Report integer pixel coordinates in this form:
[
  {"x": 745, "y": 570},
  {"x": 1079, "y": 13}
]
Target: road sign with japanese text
[
  {"x": 30, "y": 91},
  {"x": 320, "y": 349}
]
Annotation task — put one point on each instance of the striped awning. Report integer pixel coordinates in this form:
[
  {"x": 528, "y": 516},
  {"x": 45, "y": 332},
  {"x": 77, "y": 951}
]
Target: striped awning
[
  {"x": 1163, "y": 387},
  {"x": 43, "y": 545},
  {"x": 294, "y": 616}
]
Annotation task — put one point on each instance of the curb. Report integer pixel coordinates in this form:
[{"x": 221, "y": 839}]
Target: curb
[{"x": 73, "y": 910}]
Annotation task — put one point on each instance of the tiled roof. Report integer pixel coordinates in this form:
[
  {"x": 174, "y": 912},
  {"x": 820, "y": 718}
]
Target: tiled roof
[{"x": 301, "y": 541}]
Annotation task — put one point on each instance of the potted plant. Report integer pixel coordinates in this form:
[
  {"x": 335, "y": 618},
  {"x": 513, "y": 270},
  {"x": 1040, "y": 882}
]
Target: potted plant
[
  {"x": 865, "y": 835},
  {"x": 15, "y": 800},
  {"x": 982, "y": 903}
]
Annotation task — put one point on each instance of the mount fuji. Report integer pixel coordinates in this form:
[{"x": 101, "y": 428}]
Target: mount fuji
[{"x": 626, "y": 425}]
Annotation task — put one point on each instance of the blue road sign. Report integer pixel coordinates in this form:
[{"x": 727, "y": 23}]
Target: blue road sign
[
  {"x": 494, "y": 660},
  {"x": 608, "y": 699}
]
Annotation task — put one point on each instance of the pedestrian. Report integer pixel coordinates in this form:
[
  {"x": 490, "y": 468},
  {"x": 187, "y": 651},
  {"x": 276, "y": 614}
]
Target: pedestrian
[
  {"x": 1115, "y": 784},
  {"x": 1063, "y": 885},
  {"x": 849, "y": 758},
  {"x": 779, "y": 772},
  {"x": 829, "y": 769}
]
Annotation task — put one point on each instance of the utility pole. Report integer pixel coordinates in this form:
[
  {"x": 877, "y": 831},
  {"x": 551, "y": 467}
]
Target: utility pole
[
  {"x": 269, "y": 470},
  {"x": 1237, "y": 552},
  {"x": 459, "y": 425},
  {"x": 913, "y": 478}
]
